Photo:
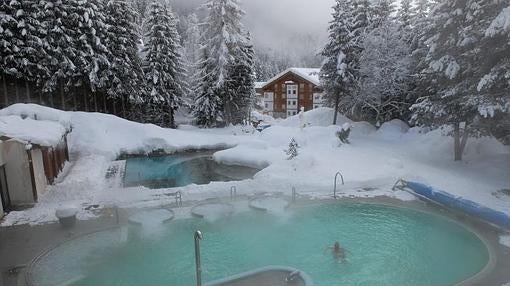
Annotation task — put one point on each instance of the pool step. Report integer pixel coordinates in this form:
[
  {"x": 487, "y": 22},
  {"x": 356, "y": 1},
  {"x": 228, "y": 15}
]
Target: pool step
[{"x": 267, "y": 276}]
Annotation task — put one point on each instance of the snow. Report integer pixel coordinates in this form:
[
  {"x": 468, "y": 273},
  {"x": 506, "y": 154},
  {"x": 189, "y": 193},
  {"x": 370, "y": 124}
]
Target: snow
[
  {"x": 322, "y": 116},
  {"x": 505, "y": 240},
  {"x": 310, "y": 74},
  {"x": 371, "y": 164},
  {"x": 500, "y": 24},
  {"x": 43, "y": 133}
]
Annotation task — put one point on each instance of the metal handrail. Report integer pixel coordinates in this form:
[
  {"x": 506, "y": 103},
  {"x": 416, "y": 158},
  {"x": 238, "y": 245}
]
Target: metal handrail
[
  {"x": 400, "y": 181},
  {"x": 336, "y": 178},
  {"x": 178, "y": 198},
  {"x": 294, "y": 194},
  {"x": 233, "y": 193},
  {"x": 198, "y": 236}
]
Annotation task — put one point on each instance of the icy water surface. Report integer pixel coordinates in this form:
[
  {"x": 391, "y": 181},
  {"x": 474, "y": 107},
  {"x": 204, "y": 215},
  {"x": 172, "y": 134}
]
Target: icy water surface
[
  {"x": 180, "y": 170},
  {"x": 387, "y": 246}
]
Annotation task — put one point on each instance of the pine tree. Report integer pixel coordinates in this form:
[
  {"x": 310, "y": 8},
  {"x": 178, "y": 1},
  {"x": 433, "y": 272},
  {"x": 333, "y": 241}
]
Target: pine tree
[
  {"x": 459, "y": 67},
  {"x": 339, "y": 73},
  {"x": 381, "y": 11},
  {"x": 405, "y": 13},
  {"x": 125, "y": 75},
  {"x": 384, "y": 72},
  {"x": 292, "y": 152},
  {"x": 226, "y": 42},
  {"x": 208, "y": 105},
  {"x": 164, "y": 68},
  {"x": 21, "y": 41},
  {"x": 192, "y": 55}
]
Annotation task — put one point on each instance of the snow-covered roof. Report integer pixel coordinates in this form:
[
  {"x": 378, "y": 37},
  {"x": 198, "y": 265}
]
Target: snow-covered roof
[
  {"x": 309, "y": 74},
  {"x": 34, "y": 124},
  {"x": 259, "y": 84},
  {"x": 30, "y": 131},
  {"x": 38, "y": 112}
]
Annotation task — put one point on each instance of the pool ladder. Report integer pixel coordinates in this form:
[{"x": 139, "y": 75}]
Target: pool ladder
[
  {"x": 294, "y": 194},
  {"x": 336, "y": 179},
  {"x": 198, "y": 264},
  {"x": 233, "y": 193},
  {"x": 178, "y": 198}
]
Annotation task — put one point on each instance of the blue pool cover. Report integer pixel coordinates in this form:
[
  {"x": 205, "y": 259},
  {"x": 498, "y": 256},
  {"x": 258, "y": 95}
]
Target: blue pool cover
[{"x": 497, "y": 218}]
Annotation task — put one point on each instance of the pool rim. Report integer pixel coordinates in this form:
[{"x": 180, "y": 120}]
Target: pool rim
[{"x": 480, "y": 275}]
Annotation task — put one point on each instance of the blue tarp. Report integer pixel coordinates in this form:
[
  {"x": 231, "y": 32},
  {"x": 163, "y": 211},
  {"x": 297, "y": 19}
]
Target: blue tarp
[{"x": 495, "y": 217}]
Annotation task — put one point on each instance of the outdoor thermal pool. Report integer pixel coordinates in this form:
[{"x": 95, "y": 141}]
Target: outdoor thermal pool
[
  {"x": 387, "y": 246},
  {"x": 168, "y": 171}
]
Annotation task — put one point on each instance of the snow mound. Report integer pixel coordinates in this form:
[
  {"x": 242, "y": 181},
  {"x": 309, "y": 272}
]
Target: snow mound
[
  {"x": 44, "y": 133},
  {"x": 38, "y": 112},
  {"x": 505, "y": 240},
  {"x": 362, "y": 128},
  {"x": 394, "y": 126},
  {"x": 317, "y": 117}
]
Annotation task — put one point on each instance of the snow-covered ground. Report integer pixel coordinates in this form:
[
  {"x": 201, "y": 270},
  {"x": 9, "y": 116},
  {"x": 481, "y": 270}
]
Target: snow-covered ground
[{"x": 371, "y": 164}]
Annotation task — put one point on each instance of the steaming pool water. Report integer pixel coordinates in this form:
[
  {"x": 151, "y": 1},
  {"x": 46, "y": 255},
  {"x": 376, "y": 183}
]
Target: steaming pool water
[
  {"x": 387, "y": 246},
  {"x": 178, "y": 170}
]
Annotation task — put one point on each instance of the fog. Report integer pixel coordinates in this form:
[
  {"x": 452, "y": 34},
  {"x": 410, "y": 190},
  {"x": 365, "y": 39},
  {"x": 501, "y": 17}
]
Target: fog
[{"x": 296, "y": 28}]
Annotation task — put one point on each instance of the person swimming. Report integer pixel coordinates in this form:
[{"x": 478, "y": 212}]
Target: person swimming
[{"x": 339, "y": 253}]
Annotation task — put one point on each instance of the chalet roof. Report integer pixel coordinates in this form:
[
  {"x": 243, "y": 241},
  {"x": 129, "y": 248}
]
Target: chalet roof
[
  {"x": 308, "y": 74},
  {"x": 259, "y": 84}
]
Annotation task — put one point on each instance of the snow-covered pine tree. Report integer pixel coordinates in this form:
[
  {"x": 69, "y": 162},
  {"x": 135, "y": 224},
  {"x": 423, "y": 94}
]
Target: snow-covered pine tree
[
  {"x": 225, "y": 41},
  {"x": 405, "y": 13},
  {"x": 192, "y": 45},
  {"x": 241, "y": 85},
  {"x": 126, "y": 78},
  {"x": 292, "y": 152},
  {"x": 208, "y": 105},
  {"x": 164, "y": 68},
  {"x": 60, "y": 30},
  {"x": 384, "y": 72},
  {"x": 339, "y": 73},
  {"x": 21, "y": 43},
  {"x": 380, "y": 11},
  {"x": 92, "y": 58},
  {"x": 459, "y": 67}
]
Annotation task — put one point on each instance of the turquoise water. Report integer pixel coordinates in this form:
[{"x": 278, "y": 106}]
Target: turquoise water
[
  {"x": 180, "y": 170},
  {"x": 387, "y": 245}
]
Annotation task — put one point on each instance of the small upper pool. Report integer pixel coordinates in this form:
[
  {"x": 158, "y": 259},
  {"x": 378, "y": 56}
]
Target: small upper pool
[
  {"x": 387, "y": 246},
  {"x": 179, "y": 170}
]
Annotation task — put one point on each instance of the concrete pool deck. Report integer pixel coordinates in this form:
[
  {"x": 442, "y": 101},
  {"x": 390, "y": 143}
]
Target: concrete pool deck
[{"x": 19, "y": 245}]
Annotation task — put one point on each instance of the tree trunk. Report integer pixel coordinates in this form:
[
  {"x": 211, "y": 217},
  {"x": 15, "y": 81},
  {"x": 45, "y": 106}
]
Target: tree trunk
[
  {"x": 28, "y": 91},
  {"x": 456, "y": 141},
  {"x": 62, "y": 97},
  {"x": 95, "y": 102},
  {"x": 460, "y": 140},
  {"x": 123, "y": 107},
  {"x": 337, "y": 102},
  {"x": 16, "y": 89},
  {"x": 4, "y": 82},
  {"x": 104, "y": 104},
  {"x": 114, "y": 106},
  {"x": 75, "y": 99}
]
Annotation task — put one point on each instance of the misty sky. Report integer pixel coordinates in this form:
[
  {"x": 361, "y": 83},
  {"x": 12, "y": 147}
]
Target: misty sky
[
  {"x": 297, "y": 27},
  {"x": 281, "y": 22}
]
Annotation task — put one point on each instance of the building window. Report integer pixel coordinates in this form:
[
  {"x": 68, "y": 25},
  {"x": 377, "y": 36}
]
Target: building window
[
  {"x": 266, "y": 105},
  {"x": 311, "y": 96},
  {"x": 302, "y": 86},
  {"x": 275, "y": 87},
  {"x": 283, "y": 86}
]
